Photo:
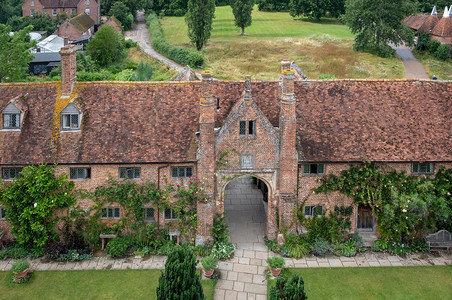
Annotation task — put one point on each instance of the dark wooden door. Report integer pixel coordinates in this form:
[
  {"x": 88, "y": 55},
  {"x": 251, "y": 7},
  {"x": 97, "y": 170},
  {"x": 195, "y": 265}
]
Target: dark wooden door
[{"x": 365, "y": 218}]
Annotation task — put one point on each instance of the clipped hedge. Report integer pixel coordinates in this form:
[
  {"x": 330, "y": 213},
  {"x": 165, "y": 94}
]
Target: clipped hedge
[{"x": 181, "y": 55}]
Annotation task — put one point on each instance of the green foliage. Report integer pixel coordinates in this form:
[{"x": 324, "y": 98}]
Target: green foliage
[
  {"x": 321, "y": 247},
  {"x": 423, "y": 40},
  {"x": 272, "y": 5},
  {"x": 327, "y": 76},
  {"x": 443, "y": 52},
  {"x": 40, "y": 22},
  {"x": 242, "y": 13},
  {"x": 13, "y": 251},
  {"x": 125, "y": 75},
  {"x": 276, "y": 262},
  {"x": 405, "y": 206},
  {"x": 122, "y": 13},
  {"x": 316, "y": 8},
  {"x": 120, "y": 246},
  {"x": 143, "y": 72},
  {"x": 181, "y": 55},
  {"x": 426, "y": 6},
  {"x": 20, "y": 266},
  {"x": 180, "y": 279},
  {"x": 418, "y": 245},
  {"x": 377, "y": 23},
  {"x": 14, "y": 53},
  {"x": 106, "y": 47},
  {"x": 433, "y": 46},
  {"x": 10, "y": 8},
  {"x": 199, "y": 17},
  {"x": 32, "y": 202},
  {"x": 347, "y": 248},
  {"x": 296, "y": 246},
  {"x": 292, "y": 288},
  {"x": 209, "y": 262},
  {"x": 223, "y": 250},
  {"x": 220, "y": 231}
]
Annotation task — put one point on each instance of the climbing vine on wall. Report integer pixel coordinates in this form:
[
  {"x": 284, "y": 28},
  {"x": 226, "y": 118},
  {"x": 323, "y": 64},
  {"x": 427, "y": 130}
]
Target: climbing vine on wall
[{"x": 405, "y": 206}]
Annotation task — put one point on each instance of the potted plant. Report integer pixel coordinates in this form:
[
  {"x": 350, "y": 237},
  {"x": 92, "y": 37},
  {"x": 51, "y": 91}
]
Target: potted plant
[
  {"x": 20, "y": 268},
  {"x": 276, "y": 263},
  {"x": 208, "y": 265}
]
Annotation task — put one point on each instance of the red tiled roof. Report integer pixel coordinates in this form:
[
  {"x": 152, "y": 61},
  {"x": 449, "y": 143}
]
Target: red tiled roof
[
  {"x": 129, "y": 122},
  {"x": 443, "y": 28},
  {"x": 59, "y": 3},
  {"x": 415, "y": 22},
  {"x": 429, "y": 24}
]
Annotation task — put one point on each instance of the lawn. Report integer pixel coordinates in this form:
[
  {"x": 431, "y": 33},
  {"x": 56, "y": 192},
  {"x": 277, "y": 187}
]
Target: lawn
[
  {"x": 319, "y": 48},
  {"x": 377, "y": 283},
  {"x": 442, "y": 69},
  {"x": 102, "y": 284}
]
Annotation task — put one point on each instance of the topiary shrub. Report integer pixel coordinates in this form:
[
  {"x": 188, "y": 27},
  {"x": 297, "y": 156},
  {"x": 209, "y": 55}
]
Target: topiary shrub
[
  {"x": 292, "y": 288},
  {"x": 180, "y": 280},
  {"x": 119, "y": 246}
]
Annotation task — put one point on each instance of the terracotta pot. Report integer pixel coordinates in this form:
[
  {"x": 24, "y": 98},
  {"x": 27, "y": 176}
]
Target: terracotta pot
[
  {"x": 275, "y": 272},
  {"x": 21, "y": 275},
  {"x": 208, "y": 273}
]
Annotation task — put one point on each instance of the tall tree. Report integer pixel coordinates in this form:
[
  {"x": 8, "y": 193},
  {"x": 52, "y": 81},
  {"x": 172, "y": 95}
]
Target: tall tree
[
  {"x": 379, "y": 22},
  {"x": 122, "y": 13},
  {"x": 180, "y": 280},
  {"x": 310, "y": 8},
  {"x": 242, "y": 13},
  {"x": 14, "y": 53},
  {"x": 199, "y": 17},
  {"x": 106, "y": 47},
  {"x": 426, "y": 6}
]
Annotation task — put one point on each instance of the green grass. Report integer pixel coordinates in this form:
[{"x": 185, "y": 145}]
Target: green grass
[
  {"x": 101, "y": 284},
  {"x": 318, "y": 47},
  {"x": 442, "y": 69},
  {"x": 376, "y": 283}
]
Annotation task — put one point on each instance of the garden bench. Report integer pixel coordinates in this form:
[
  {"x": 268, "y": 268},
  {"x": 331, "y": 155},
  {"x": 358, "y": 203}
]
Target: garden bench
[
  {"x": 103, "y": 237},
  {"x": 441, "y": 240}
]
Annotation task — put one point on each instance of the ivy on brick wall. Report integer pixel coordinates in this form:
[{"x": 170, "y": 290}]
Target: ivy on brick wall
[{"x": 405, "y": 206}]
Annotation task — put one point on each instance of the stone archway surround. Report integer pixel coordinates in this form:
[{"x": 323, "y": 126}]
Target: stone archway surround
[{"x": 269, "y": 178}]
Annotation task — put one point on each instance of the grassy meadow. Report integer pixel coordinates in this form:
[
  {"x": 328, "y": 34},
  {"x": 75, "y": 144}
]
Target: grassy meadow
[
  {"x": 434, "y": 282},
  {"x": 319, "y": 48},
  {"x": 99, "y": 284},
  {"x": 442, "y": 69}
]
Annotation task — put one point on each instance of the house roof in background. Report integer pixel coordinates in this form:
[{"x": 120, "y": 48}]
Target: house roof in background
[
  {"x": 59, "y": 3},
  {"x": 82, "y": 22}
]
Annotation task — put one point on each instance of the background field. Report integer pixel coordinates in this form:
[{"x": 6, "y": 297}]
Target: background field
[{"x": 318, "y": 48}]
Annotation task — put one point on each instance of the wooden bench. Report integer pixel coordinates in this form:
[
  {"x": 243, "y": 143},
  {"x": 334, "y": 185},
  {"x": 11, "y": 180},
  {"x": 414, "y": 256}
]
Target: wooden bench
[
  {"x": 441, "y": 240},
  {"x": 106, "y": 236}
]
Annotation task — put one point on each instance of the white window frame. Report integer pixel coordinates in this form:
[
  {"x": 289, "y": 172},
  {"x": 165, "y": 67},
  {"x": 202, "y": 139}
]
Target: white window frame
[
  {"x": 174, "y": 234},
  {"x": 73, "y": 11},
  {"x": 110, "y": 213},
  {"x": 7, "y": 123},
  {"x": 67, "y": 124},
  {"x": 146, "y": 215},
  {"x": 310, "y": 172},
  {"x": 17, "y": 170},
  {"x": 54, "y": 12},
  {"x": 133, "y": 171},
  {"x": 312, "y": 210},
  {"x": 32, "y": 12},
  {"x": 32, "y": 3},
  {"x": 87, "y": 11},
  {"x": 416, "y": 168},
  {"x": 181, "y": 172},
  {"x": 172, "y": 217},
  {"x": 86, "y": 2},
  {"x": 2, "y": 213},
  {"x": 80, "y": 173}
]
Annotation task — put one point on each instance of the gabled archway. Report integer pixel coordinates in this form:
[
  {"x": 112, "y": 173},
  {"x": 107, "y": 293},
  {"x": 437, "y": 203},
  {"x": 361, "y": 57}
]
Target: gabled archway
[{"x": 246, "y": 209}]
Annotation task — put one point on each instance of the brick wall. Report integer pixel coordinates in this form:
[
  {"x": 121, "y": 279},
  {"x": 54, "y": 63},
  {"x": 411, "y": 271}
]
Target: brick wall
[
  {"x": 94, "y": 9},
  {"x": 68, "y": 69}
]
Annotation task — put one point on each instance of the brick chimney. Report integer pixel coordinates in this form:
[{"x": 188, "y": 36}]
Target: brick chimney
[
  {"x": 247, "y": 95},
  {"x": 206, "y": 158},
  {"x": 68, "y": 69},
  {"x": 285, "y": 65},
  {"x": 288, "y": 164}
]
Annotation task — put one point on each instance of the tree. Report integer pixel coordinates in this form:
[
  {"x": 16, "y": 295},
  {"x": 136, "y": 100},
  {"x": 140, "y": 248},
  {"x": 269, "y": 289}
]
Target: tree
[
  {"x": 377, "y": 23},
  {"x": 272, "y": 5},
  {"x": 14, "y": 53},
  {"x": 199, "y": 17},
  {"x": 242, "y": 13},
  {"x": 180, "y": 280},
  {"x": 426, "y": 6},
  {"x": 106, "y": 47},
  {"x": 32, "y": 202},
  {"x": 292, "y": 288},
  {"x": 316, "y": 8},
  {"x": 122, "y": 13}
]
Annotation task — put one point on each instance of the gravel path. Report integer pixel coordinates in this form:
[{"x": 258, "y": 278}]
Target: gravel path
[
  {"x": 140, "y": 34},
  {"x": 413, "y": 67}
]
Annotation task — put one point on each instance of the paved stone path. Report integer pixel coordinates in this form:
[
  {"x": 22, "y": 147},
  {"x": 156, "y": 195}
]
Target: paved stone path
[
  {"x": 140, "y": 34},
  {"x": 413, "y": 67}
]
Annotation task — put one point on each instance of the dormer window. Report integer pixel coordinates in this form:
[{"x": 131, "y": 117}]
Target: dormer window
[
  {"x": 70, "y": 118},
  {"x": 11, "y": 117},
  {"x": 32, "y": 3}
]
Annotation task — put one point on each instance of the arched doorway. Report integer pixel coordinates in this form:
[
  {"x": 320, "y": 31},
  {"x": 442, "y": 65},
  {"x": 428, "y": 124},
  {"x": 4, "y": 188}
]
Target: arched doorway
[{"x": 246, "y": 209}]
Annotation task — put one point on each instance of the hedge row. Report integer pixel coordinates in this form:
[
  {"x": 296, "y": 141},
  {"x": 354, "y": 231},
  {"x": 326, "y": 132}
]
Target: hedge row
[{"x": 181, "y": 55}]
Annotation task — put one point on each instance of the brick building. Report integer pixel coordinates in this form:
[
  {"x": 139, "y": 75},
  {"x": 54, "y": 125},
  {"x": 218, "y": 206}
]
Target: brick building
[
  {"x": 70, "y": 7},
  {"x": 77, "y": 29},
  {"x": 285, "y": 133}
]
